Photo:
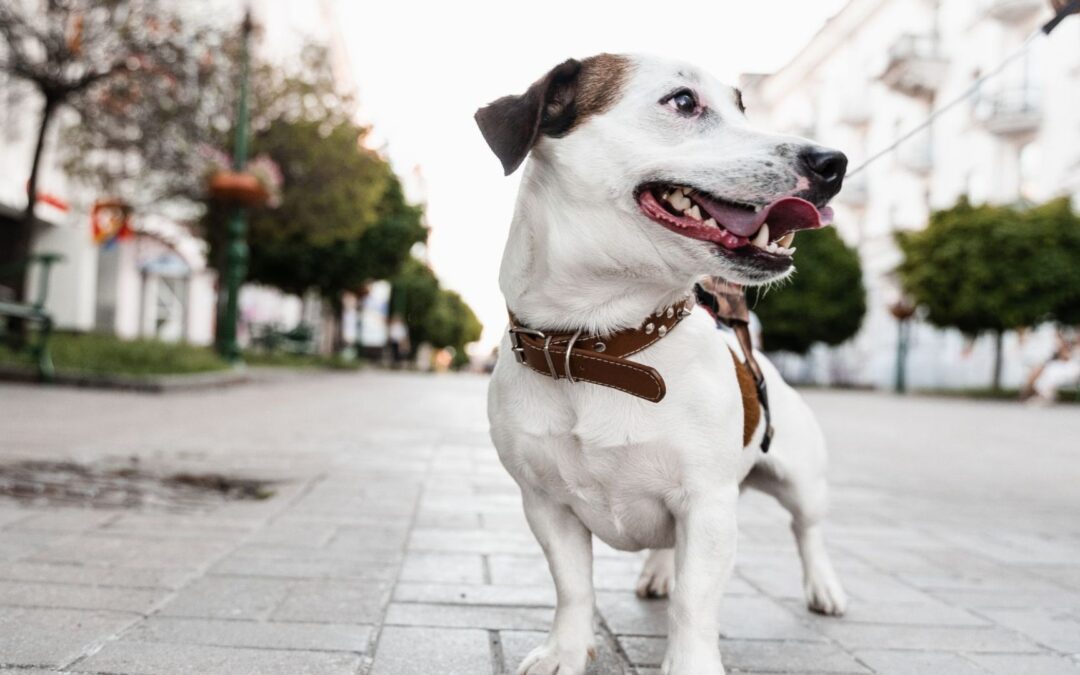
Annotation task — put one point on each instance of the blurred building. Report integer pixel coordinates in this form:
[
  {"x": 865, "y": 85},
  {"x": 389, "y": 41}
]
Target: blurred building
[
  {"x": 876, "y": 70},
  {"x": 154, "y": 281}
]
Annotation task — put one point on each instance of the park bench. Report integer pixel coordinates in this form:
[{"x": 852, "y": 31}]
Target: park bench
[{"x": 33, "y": 312}]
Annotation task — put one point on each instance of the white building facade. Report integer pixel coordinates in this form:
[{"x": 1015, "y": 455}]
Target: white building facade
[{"x": 876, "y": 70}]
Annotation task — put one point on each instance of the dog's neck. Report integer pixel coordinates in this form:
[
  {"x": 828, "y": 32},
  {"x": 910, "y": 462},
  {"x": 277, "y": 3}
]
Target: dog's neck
[{"x": 574, "y": 262}]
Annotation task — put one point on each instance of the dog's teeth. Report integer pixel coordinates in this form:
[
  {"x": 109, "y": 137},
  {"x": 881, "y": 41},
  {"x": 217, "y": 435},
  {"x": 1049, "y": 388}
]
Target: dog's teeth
[
  {"x": 711, "y": 222},
  {"x": 757, "y": 209},
  {"x": 791, "y": 250},
  {"x": 761, "y": 240},
  {"x": 786, "y": 240},
  {"x": 772, "y": 247},
  {"x": 693, "y": 212}
]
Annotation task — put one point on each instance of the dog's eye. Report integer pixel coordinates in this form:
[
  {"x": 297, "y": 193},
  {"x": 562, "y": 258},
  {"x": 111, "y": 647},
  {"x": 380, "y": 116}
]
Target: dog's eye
[{"x": 684, "y": 101}]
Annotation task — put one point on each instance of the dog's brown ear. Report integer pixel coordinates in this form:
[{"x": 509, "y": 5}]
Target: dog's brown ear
[{"x": 511, "y": 124}]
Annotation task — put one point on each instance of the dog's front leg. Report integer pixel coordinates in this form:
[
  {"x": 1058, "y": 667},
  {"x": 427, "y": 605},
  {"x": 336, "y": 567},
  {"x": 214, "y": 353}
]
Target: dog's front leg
[
  {"x": 567, "y": 544},
  {"x": 705, "y": 538}
]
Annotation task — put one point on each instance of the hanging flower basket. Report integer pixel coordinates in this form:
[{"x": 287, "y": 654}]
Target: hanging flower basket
[
  {"x": 238, "y": 188},
  {"x": 258, "y": 185},
  {"x": 902, "y": 310}
]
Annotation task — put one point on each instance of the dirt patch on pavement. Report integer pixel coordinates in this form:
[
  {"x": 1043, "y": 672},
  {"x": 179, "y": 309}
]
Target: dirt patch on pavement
[{"x": 122, "y": 487}]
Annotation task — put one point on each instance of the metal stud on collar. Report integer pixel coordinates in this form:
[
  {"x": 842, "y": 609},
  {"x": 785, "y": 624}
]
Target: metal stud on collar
[{"x": 649, "y": 328}]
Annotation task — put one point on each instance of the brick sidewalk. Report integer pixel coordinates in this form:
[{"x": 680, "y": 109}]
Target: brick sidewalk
[{"x": 395, "y": 543}]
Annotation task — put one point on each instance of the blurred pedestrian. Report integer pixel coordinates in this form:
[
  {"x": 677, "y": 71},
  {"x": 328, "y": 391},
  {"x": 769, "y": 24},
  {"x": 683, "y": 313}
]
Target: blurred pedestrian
[{"x": 1061, "y": 370}]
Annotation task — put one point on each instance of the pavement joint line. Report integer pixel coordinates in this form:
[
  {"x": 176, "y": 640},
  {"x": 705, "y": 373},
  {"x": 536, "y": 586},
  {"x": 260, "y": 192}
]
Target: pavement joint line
[
  {"x": 1019, "y": 633},
  {"x": 373, "y": 645},
  {"x": 485, "y": 564},
  {"x": 498, "y": 667},
  {"x": 97, "y": 645},
  {"x": 608, "y": 636}
]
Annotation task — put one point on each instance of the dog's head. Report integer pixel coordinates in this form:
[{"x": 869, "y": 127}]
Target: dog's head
[{"x": 668, "y": 149}]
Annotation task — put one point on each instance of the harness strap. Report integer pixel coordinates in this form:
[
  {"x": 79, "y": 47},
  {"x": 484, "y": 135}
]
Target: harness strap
[{"x": 727, "y": 303}]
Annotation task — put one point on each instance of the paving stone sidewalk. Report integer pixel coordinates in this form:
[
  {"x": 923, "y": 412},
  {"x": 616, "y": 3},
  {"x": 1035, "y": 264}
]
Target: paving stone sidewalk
[{"x": 394, "y": 543}]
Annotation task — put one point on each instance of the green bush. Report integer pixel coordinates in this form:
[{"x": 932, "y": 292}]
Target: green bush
[{"x": 824, "y": 302}]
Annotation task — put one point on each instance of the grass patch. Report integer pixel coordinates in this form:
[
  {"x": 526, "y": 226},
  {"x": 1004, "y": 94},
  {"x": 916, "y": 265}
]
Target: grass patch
[
  {"x": 98, "y": 353},
  {"x": 102, "y": 354},
  {"x": 988, "y": 394},
  {"x": 287, "y": 360}
]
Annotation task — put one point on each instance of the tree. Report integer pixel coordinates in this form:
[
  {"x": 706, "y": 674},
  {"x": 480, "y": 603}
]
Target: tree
[
  {"x": 343, "y": 218},
  {"x": 168, "y": 165},
  {"x": 1056, "y": 274},
  {"x": 104, "y": 59},
  {"x": 825, "y": 301},
  {"x": 994, "y": 268},
  {"x": 433, "y": 315}
]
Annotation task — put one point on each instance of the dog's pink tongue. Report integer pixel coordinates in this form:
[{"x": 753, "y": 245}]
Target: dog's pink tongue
[{"x": 786, "y": 214}]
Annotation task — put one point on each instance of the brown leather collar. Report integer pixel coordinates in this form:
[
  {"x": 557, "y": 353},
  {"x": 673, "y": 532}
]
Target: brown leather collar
[{"x": 599, "y": 359}]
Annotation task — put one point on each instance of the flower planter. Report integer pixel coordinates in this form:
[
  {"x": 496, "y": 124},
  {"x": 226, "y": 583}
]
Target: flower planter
[
  {"x": 238, "y": 188},
  {"x": 902, "y": 310}
]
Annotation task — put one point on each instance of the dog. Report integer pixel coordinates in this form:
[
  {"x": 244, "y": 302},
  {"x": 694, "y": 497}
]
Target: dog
[{"x": 644, "y": 177}]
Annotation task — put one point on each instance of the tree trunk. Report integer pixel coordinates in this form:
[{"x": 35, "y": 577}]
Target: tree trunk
[
  {"x": 16, "y": 243},
  {"x": 998, "y": 348}
]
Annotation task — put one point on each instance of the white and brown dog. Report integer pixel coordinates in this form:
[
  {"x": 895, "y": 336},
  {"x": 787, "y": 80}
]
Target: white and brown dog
[{"x": 644, "y": 178}]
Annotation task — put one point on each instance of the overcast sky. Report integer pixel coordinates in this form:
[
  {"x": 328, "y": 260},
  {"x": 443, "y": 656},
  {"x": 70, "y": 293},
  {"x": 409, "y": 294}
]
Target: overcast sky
[{"x": 422, "y": 69}]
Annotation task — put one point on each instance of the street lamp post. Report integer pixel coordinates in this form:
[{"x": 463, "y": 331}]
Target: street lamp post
[
  {"x": 236, "y": 257},
  {"x": 902, "y": 311}
]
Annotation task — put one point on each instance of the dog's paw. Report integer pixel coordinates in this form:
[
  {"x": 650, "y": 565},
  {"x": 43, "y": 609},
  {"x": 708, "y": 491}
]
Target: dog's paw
[
  {"x": 701, "y": 659},
  {"x": 551, "y": 658},
  {"x": 657, "y": 575},
  {"x": 824, "y": 594}
]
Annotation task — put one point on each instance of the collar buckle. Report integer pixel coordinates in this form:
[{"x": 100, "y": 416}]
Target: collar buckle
[{"x": 515, "y": 341}]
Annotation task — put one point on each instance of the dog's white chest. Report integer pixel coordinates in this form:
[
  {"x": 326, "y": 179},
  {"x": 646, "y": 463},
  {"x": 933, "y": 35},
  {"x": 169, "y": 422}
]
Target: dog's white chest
[{"x": 618, "y": 461}]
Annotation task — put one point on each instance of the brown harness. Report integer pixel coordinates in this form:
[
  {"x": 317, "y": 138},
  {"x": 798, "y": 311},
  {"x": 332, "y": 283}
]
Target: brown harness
[
  {"x": 727, "y": 304},
  {"x": 602, "y": 359}
]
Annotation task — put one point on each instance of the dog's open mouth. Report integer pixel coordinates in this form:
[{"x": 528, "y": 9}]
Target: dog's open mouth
[{"x": 765, "y": 231}]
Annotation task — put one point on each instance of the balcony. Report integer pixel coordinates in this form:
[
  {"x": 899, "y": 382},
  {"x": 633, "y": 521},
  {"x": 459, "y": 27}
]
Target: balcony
[
  {"x": 915, "y": 66},
  {"x": 854, "y": 111},
  {"x": 1011, "y": 112},
  {"x": 1014, "y": 11}
]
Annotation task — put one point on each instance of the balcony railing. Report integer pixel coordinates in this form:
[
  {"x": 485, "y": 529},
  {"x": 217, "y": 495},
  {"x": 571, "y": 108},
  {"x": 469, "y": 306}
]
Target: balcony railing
[
  {"x": 1011, "y": 11},
  {"x": 915, "y": 65},
  {"x": 1011, "y": 112}
]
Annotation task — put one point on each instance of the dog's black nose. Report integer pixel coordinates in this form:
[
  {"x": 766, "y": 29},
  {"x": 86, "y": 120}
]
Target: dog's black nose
[{"x": 826, "y": 167}]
